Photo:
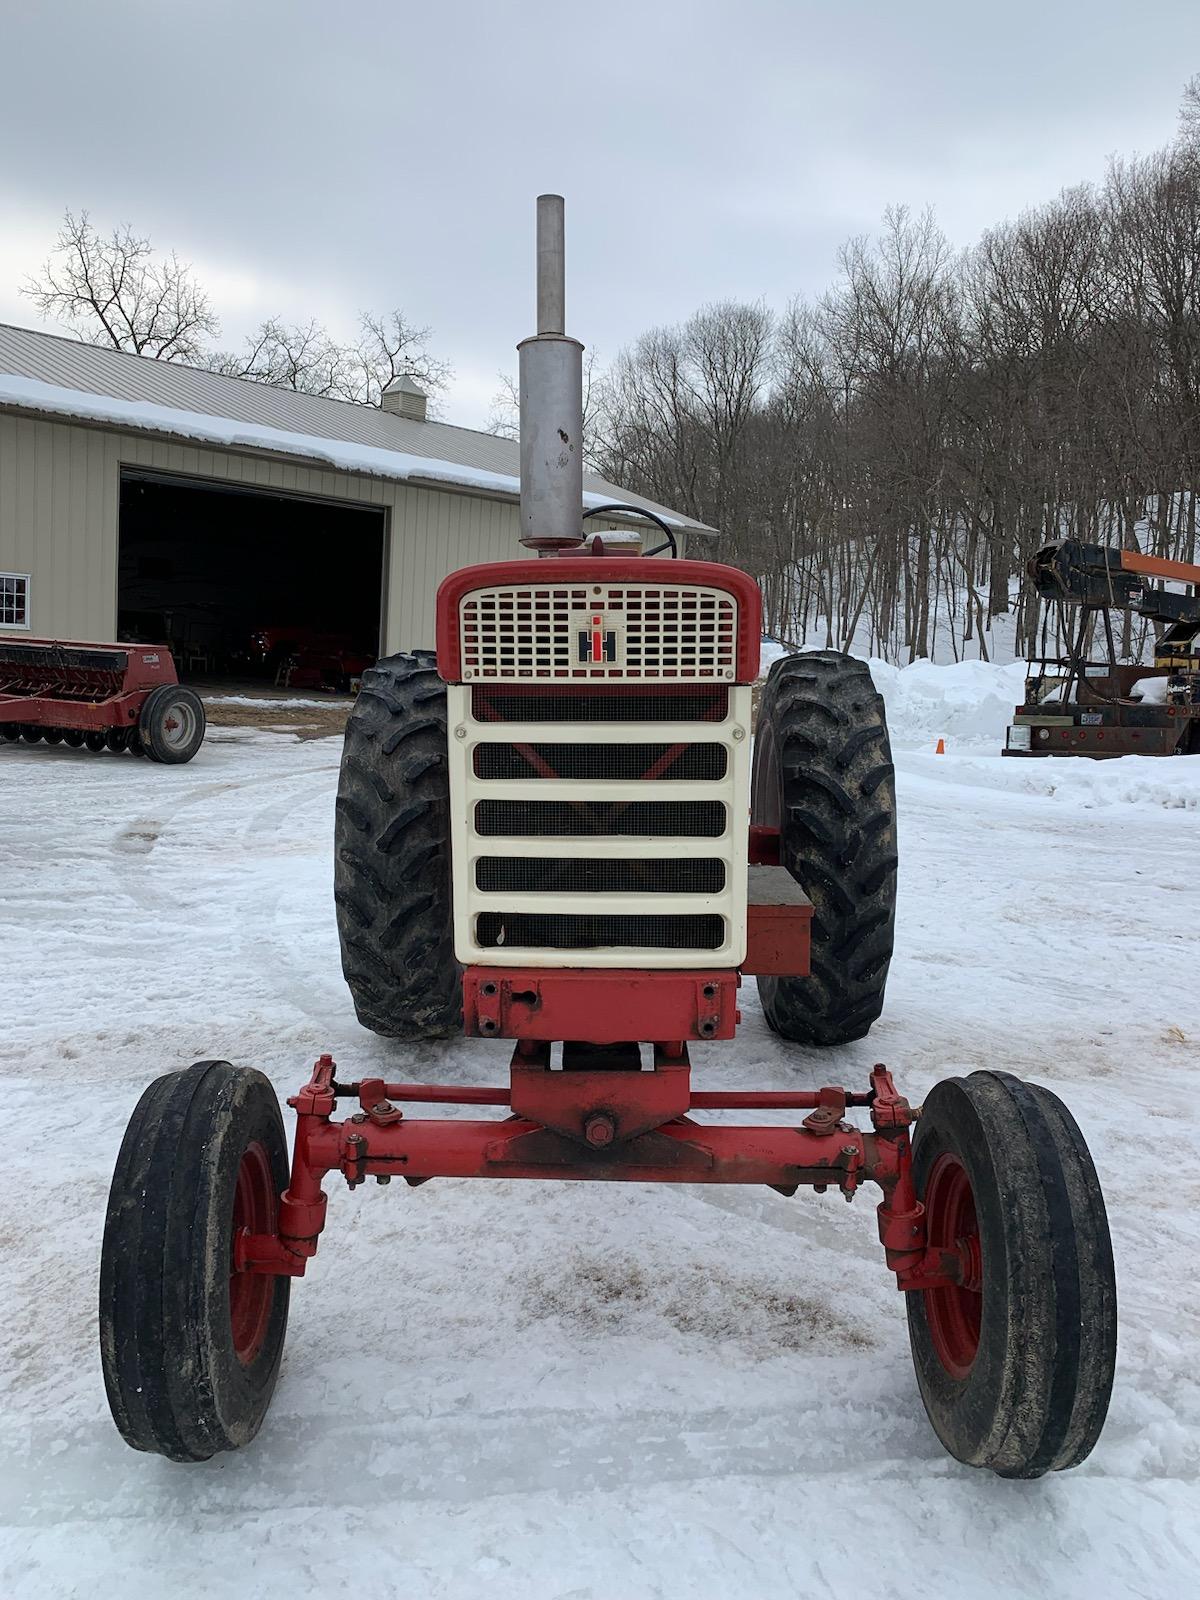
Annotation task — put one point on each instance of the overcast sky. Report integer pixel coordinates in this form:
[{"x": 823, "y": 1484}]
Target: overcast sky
[{"x": 314, "y": 158}]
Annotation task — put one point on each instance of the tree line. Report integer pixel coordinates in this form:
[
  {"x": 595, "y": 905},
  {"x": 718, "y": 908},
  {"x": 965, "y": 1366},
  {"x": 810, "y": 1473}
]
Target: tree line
[{"x": 887, "y": 457}]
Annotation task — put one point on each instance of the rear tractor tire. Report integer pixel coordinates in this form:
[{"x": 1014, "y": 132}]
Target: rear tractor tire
[
  {"x": 189, "y": 1347},
  {"x": 1015, "y": 1364},
  {"x": 392, "y": 854},
  {"x": 823, "y": 776}
]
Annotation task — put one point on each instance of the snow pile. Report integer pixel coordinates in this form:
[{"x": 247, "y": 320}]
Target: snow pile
[
  {"x": 1150, "y": 691},
  {"x": 967, "y": 703},
  {"x": 1169, "y": 783}
]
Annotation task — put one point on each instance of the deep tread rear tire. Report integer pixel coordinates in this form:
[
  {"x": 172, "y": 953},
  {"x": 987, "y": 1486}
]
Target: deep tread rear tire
[
  {"x": 175, "y": 1383},
  {"x": 823, "y": 775},
  {"x": 392, "y": 854},
  {"x": 1036, "y": 1393}
]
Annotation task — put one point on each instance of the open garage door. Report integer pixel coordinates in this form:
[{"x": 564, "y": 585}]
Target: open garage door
[{"x": 247, "y": 585}]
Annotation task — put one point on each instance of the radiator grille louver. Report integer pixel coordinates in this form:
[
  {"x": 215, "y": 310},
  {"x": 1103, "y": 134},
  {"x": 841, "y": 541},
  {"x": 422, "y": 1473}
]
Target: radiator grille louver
[
  {"x": 612, "y": 704},
  {"x": 585, "y": 875},
  {"x": 668, "y": 763},
  {"x": 547, "y": 931},
  {"x": 577, "y": 819}
]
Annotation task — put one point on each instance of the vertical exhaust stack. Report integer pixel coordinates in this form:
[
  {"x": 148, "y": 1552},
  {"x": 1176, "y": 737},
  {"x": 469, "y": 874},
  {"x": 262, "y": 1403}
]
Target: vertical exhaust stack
[{"x": 551, "y": 382}]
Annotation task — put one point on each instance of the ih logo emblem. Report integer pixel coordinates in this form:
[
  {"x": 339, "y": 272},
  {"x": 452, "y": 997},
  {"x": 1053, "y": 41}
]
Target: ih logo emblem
[{"x": 597, "y": 644}]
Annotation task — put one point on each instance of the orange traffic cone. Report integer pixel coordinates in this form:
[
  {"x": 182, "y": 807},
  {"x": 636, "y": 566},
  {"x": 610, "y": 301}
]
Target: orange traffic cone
[{"x": 941, "y": 748}]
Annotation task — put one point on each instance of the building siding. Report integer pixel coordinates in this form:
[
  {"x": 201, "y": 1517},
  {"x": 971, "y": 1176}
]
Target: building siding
[{"x": 59, "y": 515}]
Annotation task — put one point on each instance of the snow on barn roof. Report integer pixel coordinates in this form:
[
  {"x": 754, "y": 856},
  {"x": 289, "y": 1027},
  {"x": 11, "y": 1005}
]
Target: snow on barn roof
[{"x": 45, "y": 374}]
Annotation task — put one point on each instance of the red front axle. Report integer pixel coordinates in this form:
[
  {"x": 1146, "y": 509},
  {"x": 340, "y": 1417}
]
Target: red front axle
[{"x": 601, "y": 1123}]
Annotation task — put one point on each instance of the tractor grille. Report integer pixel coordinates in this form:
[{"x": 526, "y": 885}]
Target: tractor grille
[
  {"x": 595, "y": 632},
  {"x": 585, "y": 875},
  {"x": 678, "y": 763},
  {"x": 603, "y": 818},
  {"x": 543, "y": 931}
]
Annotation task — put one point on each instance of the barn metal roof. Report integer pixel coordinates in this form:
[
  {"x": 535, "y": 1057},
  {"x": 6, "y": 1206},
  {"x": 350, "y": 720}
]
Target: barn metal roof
[{"x": 85, "y": 369}]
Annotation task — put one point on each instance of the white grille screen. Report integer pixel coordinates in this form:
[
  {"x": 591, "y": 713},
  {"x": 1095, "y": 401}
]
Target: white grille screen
[{"x": 646, "y": 632}]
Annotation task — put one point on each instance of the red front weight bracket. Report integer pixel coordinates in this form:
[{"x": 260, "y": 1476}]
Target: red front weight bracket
[{"x": 606, "y": 1007}]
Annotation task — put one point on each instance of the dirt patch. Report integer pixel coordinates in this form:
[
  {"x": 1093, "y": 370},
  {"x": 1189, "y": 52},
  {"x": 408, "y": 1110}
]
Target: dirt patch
[
  {"x": 306, "y": 722},
  {"x": 607, "y": 1296}
]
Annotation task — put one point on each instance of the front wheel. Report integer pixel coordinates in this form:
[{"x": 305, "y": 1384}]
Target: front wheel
[
  {"x": 190, "y": 1347},
  {"x": 1015, "y": 1362}
]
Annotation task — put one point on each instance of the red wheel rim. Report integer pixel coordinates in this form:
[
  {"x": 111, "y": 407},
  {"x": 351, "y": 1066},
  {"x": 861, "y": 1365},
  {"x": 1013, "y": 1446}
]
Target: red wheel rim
[
  {"x": 251, "y": 1294},
  {"x": 953, "y": 1314}
]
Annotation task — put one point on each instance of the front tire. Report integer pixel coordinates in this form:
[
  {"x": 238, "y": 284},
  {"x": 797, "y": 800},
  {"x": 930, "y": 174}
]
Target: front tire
[
  {"x": 1015, "y": 1365},
  {"x": 191, "y": 1349},
  {"x": 392, "y": 854},
  {"x": 823, "y": 776}
]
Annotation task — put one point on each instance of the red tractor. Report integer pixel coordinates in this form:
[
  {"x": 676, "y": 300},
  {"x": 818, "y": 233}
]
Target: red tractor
[{"x": 553, "y": 832}]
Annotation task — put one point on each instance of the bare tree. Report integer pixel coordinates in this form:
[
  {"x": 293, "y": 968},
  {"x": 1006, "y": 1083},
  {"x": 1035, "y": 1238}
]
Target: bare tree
[
  {"x": 114, "y": 290},
  {"x": 305, "y": 357},
  {"x": 1189, "y": 113},
  {"x": 388, "y": 347}
]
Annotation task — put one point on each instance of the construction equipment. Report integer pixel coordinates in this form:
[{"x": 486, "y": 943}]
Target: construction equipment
[
  {"x": 1077, "y": 707},
  {"x": 98, "y": 697},
  {"x": 552, "y": 832}
]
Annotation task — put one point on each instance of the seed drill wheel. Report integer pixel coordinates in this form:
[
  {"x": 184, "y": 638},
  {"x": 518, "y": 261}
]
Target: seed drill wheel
[
  {"x": 1015, "y": 1364},
  {"x": 73, "y": 738},
  {"x": 392, "y": 854},
  {"x": 53, "y": 735},
  {"x": 190, "y": 1348},
  {"x": 823, "y": 776},
  {"x": 94, "y": 739},
  {"x": 10, "y": 732},
  {"x": 171, "y": 724}
]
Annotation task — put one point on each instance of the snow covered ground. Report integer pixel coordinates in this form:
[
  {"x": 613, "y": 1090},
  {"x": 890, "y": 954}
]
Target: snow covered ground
[{"x": 592, "y": 1393}]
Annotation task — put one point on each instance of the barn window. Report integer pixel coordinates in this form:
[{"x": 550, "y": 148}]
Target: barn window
[{"x": 14, "y": 599}]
